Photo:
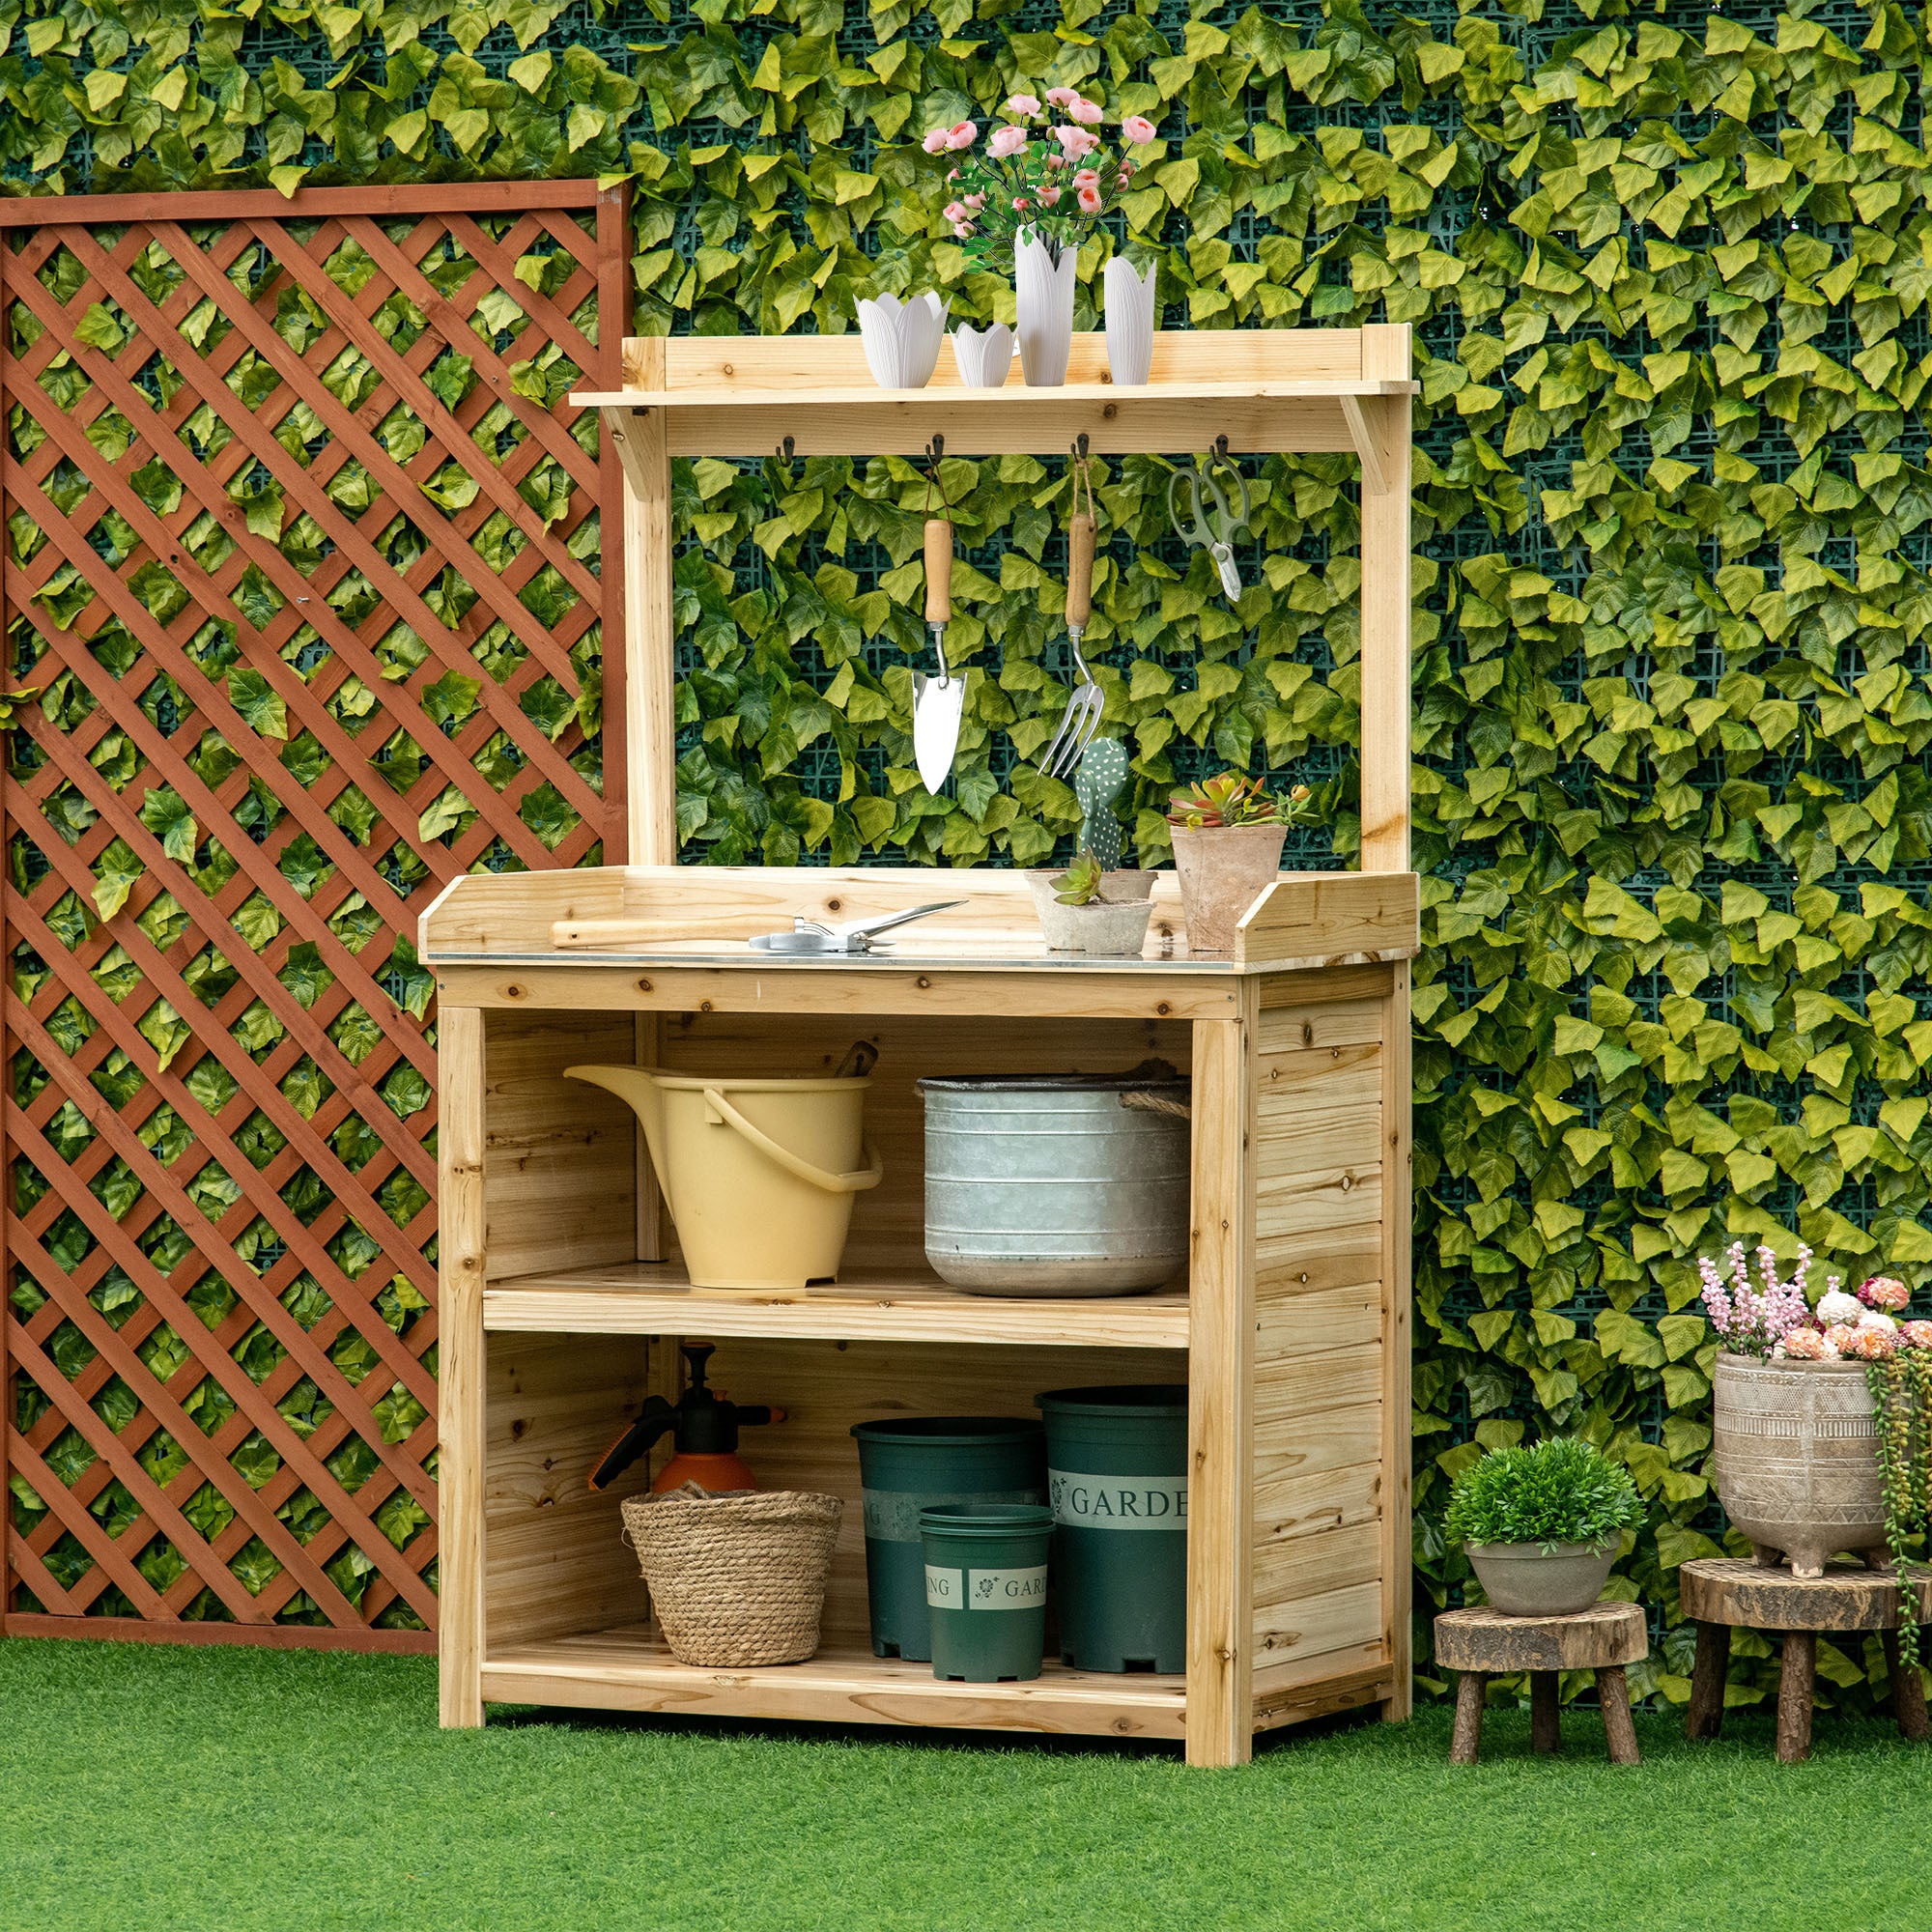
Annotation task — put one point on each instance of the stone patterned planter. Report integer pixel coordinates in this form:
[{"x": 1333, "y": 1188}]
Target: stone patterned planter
[{"x": 1796, "y": 1459}]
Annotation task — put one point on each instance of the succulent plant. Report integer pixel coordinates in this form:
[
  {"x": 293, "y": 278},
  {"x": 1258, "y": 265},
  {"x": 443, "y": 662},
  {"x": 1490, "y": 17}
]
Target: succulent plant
[
  {"x": 1080, "y": 884},
  {"x": 1103, "y": 771},
  {"x": 1230, "y": 799}
]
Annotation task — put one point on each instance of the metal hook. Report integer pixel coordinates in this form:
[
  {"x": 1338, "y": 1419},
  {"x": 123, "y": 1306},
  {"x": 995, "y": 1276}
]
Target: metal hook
[
  {"x": 935, "y": 451},
  {"x": 783, "y": 452},
  {"x": 1221, "y": 446},
  {"x": 1080, "y": 445}
]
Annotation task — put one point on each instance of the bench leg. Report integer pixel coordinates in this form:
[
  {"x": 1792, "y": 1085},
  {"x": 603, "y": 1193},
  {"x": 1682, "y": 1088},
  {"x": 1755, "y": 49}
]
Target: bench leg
[
  {"x": 1545, "y": 1728},
  {"x": 1908, "y": 1693},
  {"x": 1797, "y": 1671},
  {"x": 1619, "y": 1732},
  {"x": 1470, "y": 1690},
  {"x": 1705, "y": 1717}
]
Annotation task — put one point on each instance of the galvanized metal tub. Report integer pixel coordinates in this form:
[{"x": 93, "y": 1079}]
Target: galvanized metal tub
[{"x": 1057, "y": 1183}]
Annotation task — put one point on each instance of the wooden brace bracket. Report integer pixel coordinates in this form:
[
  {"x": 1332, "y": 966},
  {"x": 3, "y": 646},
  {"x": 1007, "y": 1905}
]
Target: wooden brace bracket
[{"x": 1371, "y": 429}]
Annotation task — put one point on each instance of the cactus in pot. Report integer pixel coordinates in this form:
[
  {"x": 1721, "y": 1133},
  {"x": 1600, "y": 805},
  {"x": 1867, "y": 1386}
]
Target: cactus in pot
[{"x": 1103, "y": 771}]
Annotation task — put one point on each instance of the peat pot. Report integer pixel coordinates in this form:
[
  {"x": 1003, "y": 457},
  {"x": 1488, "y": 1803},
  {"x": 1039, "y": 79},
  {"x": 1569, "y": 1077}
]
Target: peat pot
[
  {"x": 1543, "y": 1579},
  {"x": 1057, "y": 1183},
  {"x": 1796, "y": 1459}
]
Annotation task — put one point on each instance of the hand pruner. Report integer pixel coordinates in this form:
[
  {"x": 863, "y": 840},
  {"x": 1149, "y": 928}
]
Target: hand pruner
[{"x": 1211, "y": 523}]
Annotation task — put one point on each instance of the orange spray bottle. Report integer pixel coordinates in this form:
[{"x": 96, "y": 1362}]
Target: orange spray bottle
[{"x": 705, "y": 1427}]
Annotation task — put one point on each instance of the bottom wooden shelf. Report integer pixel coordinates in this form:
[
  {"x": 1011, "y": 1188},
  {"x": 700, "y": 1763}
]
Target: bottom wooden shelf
[{"x": 628, "y": 1668}]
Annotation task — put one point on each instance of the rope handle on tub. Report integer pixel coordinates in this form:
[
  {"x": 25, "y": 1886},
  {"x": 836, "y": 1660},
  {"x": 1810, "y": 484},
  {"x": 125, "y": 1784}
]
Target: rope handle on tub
[{"x": 1156, "y": 1103}]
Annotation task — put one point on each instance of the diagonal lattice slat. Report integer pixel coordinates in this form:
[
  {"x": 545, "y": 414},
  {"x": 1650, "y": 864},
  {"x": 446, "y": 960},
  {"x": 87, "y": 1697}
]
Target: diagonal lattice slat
[{"x": 304, "y": 569}]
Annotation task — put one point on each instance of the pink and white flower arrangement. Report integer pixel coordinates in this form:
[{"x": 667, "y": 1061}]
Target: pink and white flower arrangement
[
  {"x": 1772, "y": 1316},
  {"x": 1014, "y": 187},
  {"x": 1753, "y": 1319}
]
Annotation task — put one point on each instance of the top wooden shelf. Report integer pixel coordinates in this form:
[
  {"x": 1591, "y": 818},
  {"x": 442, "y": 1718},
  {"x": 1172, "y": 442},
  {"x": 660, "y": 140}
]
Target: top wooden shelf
[
  {"x": 1013, "y": 395},
  {"x": 1263, "y": 389}
]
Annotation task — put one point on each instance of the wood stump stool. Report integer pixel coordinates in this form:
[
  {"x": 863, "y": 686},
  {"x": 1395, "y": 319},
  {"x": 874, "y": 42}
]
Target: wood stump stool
[
  {"x": 1485, "y": 1643},
  {"x": 1721, "y": 1592}
]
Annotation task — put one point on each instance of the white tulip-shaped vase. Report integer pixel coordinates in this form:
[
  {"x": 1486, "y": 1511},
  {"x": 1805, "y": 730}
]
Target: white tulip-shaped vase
[
  {"x": 1129, "y": 320},
  {"x": 902, "y": 338},
  {"x": 983, "y": 356},
  {"x": 1043, "y": 291}
]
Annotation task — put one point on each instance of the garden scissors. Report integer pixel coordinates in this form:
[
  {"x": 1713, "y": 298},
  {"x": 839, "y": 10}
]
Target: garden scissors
[{"x": 1205, "y": 497}]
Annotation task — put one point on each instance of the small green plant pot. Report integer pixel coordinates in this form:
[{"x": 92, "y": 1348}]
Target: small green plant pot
[
  {"x": 985, "y": 1589},
  {"x": 1117, "y": 1480},
  {"x": 906, "y": 1465}
]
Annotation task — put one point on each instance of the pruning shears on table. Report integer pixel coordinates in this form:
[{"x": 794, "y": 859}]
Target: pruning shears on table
[{"x": 1210, "y": 523}]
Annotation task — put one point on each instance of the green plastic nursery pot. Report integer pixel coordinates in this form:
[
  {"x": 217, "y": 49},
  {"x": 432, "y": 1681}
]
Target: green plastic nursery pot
[
  {"x": 1117, "y": 1480},
  {"x": 985, "y": 1589},
  {"x": 908, "y": 1466}
]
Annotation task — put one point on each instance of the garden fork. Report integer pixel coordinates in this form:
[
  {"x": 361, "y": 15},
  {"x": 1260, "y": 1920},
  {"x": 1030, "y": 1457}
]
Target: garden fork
[{"x": 1087, "y": 700}]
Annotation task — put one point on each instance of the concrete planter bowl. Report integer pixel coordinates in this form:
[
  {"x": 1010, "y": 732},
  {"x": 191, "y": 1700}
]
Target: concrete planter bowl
[
  {"x": 1543, "y": 1579},
  {"x": 1796, "y": 1459},
  {"x": 1114, "y": 925}
]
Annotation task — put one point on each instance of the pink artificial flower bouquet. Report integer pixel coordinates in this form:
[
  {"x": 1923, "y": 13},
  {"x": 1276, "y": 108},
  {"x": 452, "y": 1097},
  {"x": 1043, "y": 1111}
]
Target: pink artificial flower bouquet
[
  {"x": 1772, "y": 1320},
  {"x": 1043, "y": 172}
]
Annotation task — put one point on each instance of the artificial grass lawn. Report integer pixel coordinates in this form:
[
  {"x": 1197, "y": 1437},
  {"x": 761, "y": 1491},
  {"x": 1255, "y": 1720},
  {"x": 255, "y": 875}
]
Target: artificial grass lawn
[{"x": 145, "y": 1788}]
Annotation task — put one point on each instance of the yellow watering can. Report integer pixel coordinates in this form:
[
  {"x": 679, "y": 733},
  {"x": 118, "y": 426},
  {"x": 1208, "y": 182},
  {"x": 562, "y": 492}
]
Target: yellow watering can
[{"x": 759, "y": 1175}]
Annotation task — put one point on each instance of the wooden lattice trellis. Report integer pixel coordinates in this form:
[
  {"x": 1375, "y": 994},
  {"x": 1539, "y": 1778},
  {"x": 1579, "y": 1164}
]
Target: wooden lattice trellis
[{"x": 303, "y": 570}]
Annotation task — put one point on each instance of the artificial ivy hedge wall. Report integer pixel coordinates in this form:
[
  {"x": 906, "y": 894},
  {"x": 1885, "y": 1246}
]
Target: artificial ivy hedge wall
[{"x": 1668, "y": 278}]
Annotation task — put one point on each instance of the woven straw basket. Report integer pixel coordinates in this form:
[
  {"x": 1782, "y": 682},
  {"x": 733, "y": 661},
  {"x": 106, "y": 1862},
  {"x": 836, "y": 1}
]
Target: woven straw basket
[{"x": 737, "y": 1579}]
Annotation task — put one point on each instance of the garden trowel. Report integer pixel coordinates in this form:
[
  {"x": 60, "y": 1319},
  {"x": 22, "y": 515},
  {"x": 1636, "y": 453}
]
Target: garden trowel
[{"x": 937, "y": 702}]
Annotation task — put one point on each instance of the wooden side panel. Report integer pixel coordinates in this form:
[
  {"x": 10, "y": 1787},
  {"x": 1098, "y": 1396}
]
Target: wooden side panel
[
  {"x": 1221, "y": 1423},
  {"x": 459, "y": 1077},
  {"x": 1397, "y": 1224},
  {"x": 825, "y": 1387},
  {"x": 560, "y": 1177},
  {"x": 554, "y": 1562},
  {"x": 1320, "y": 1620},
  {"x": 1321, "y": 1380},
  {"x": 888, "y": 1222},
  {"x": 1319, "y": 1079}
]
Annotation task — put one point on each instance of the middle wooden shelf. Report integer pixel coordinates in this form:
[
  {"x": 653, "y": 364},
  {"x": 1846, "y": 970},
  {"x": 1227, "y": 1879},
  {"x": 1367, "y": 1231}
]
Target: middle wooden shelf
[{"x": 866, "y": 1304}]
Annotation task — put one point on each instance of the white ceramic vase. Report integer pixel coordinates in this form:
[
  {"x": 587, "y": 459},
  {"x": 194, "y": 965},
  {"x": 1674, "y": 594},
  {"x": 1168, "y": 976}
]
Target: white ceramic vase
[
  {"x": 1129, "y": 320},
  {"x": 902, "y": 338},
  {"x": 983, "y": 356},
  {"x": 1043, "y": 290}
]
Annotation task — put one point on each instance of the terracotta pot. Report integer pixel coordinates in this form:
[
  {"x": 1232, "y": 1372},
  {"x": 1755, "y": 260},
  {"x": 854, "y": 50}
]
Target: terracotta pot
[
  {"x": 1223, "y": 868},
  {"x": 1537, "y": 1580},
  {"x": 1796, "y": 1459}
]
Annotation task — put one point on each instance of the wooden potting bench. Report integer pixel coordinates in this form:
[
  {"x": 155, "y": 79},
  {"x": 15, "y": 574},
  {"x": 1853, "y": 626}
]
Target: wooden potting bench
[{"x": 563, "y": 1301}]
